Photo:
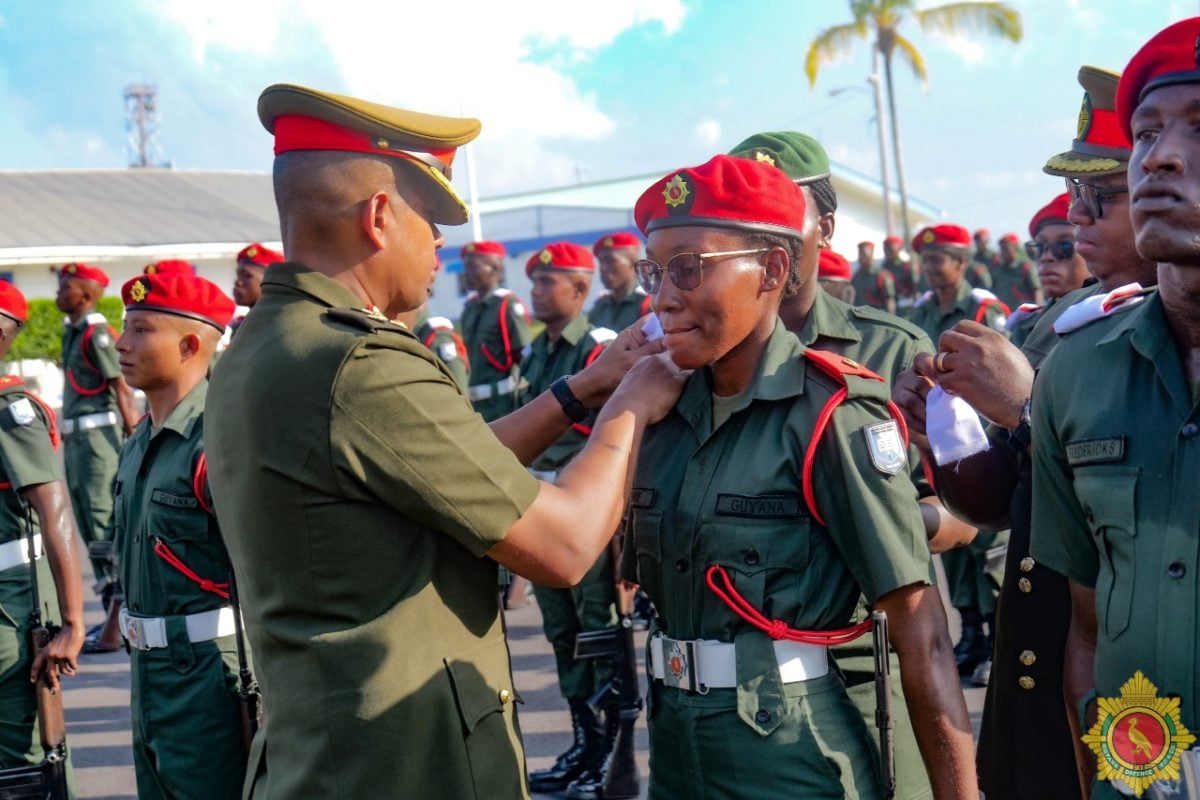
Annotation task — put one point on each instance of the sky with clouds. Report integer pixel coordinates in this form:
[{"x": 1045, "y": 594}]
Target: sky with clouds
[{"x": 568, "y": 90}]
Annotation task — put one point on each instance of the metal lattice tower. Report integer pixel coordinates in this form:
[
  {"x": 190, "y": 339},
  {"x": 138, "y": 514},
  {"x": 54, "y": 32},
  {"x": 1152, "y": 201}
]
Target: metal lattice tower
[{"x": 141, "y": 125}]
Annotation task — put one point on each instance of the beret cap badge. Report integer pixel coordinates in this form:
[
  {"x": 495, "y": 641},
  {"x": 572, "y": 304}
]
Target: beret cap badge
[
  {"x": 676, "y": 192},
  {"x": 251, "y": 251},
  {"x": 608, "y": 241},
  {"x": 546, "y": 257},
  {"x": 929, "y": 237},
  {"x": 138, "y": 292},
  {"x": 763, "y": 156}
]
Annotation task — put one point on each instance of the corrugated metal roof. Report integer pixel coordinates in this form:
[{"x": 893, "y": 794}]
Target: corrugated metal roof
[{"x": 134, "y": 207}]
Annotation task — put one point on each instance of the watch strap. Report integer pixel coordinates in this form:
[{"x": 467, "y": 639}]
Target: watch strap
[{"x": 571, "y": 406}]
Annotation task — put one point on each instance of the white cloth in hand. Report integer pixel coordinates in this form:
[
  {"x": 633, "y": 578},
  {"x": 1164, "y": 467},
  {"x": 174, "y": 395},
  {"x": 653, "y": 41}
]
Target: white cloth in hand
[{"x": 953, "y": 427}]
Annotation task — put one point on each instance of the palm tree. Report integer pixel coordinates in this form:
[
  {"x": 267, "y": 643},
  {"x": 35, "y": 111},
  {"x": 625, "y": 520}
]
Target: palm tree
[{"x": 883, "y": 18}]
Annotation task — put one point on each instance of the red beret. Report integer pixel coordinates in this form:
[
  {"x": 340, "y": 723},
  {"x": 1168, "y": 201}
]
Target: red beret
[
  {"x": 259, "y": 256},
  {"x": 984, "y": 232},
  {"x": 1010, "y": 237},
  {"x": 77, "y": 270},
  {"x": 1171, "y": 56},
  {"x": 943, "y": 235},
  {"x": 561, "y": 255},
  {"x": 13, "y": 303},
  {"x": 182, "y": 295},
  {"x": 724, "y": 192},
  {"x": 616, "y": 240},
  {"x": 866, "y": 243},
  {"x": 893, "y": 240},
  {"x": 484, "y": 248},
  {"x": 171, "y": 266},
  {"x": 833, "y": 267},
  {"x": 1053, "y": 212}
]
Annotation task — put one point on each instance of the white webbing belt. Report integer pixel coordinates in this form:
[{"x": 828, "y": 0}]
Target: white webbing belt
[
  {"x": 88, "y": 422},
  {"x": 150, "y": 633},
  {"x": 700, "y": 665},
  {"x": 16, "y": 552},
  {"x": 484, "y": 391}
]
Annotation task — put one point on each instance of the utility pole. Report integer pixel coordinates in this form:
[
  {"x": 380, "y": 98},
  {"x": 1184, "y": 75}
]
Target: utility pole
[
  {"x": 141, "y": 125},
  {"x": 877, "y": 90}
]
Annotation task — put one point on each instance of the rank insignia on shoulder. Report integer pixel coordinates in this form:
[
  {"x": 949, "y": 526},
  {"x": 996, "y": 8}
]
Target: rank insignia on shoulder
[
  {"x": 1138, "y": 737},
  {"x": 886, "y": 447},
  {"x": 22, "y": 411}
]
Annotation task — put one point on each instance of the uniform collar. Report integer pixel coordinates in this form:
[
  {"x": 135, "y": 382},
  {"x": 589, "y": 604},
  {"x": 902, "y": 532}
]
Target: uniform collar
[
  {"x": 323, "y": 289},
  {"x": 183, "y": 417},
  {"x": 780, "y": 375},
  {"x": 828, "y": 318},
  {"x": 962, "y": 300},
  {"x": 575, "y": 330}
]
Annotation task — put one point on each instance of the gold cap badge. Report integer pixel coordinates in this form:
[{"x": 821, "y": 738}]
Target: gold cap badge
[
  {"x": 1138, "y": 737},
  {"x": 759, "y": 155},
  {"x": 138, "y": 292},
  {"x": 545, "y": 257},
  {"x": 251, "y": 251},
  {"x": 1085, "y": 118},
  {"x": 929, "y": 237},
  {"x": 676, "y": 192},
  {"x": 608, "y": 242}
]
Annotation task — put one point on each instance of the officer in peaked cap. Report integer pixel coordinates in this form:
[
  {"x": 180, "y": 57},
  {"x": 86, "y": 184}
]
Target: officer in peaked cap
[{"x": 359, "y": 521}]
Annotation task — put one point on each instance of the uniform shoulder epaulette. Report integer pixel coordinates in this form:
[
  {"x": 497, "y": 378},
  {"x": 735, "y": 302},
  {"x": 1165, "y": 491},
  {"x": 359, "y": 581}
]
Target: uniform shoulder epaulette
[
  {"x": 981, "y": 295},
  {"x": 603, "y": 294},
  {"x": 838, "y": 367},
  {"x": 1099, "y": 306},
  {"x": 502, "y": 292},
  {"x": 96, "y": 318},
  {"x": 923, "y": 299},
  {"x": 881, "y": 317},
  {"x": 472, "y": 296},
  {"x": 602, "y": 335},
  {"x": 365, "y": 319},
  {"x": 440, "y": 323},
  {"x": 10, "y": 383},
  {"x": 1022, "y": 313}
]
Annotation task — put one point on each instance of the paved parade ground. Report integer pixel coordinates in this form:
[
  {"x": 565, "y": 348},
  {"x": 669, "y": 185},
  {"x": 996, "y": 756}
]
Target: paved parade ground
[{"x": 97, "y": 703}]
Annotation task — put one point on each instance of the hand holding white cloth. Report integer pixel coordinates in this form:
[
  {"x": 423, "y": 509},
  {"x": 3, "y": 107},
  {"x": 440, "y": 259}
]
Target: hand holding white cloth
[{"x": 953, "y": 427}]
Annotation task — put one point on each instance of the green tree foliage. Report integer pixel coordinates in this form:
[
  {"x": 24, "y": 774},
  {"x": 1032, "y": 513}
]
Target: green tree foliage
[{"x": 41, "y": 337}]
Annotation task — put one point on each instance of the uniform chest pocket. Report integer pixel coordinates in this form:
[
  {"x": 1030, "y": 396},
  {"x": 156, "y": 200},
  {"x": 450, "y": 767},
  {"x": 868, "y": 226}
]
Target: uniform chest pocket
[
  {"x": 186, "y": 534},
  {"x": 645, "y": 529},
  {"x": 1107, "y": 495},
  {"x": 767, "y": 559}
]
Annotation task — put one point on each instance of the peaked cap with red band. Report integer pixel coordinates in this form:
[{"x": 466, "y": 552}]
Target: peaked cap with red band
[
  {"x": 617, "y": 241},
  {"x": 182, "y": 295},
  {"x": 257, "y": 255},
  {"x": 1171, "y": 57},
  {"x": 483, "y": 248},
  {"x": 1100, "y": 147},
  {"x": 832, "y": 267},
  {"x": 724, "y": 192},
  {"x": 561, "y": 255},
  {"x": 1054, "y": 212},
  {"x": 941, "y": 236},
  {"x": 12, "y": 303},
  {"x": 309, "y": 119},
  {"x": 77, "y": 270},
  {"x": 170, "y": 266}
]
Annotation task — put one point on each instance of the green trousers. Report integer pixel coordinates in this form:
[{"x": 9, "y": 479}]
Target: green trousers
[
  {"x": 91, "y": 460},
  {"x": 967, "y": 578},
  {"x": 588, "y": 606},
  {"x": 187, "y": 728},
  {"x": 20, "y": 738},
  {"x": 702, "y": 750}
]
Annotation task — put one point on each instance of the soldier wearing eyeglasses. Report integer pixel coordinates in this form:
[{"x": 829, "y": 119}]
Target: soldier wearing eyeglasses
[
  {"x": 1025, "y": 742},
  {"x": 1060, "y": 269},
  {"x": 1014, "y": 278},
  {"x": 754, "y": 554}
]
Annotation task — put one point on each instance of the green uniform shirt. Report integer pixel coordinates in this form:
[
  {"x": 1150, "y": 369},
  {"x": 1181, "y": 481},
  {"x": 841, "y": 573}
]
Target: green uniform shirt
[
  {"x": 495, "y": 329},
  {"x": 1042, "y": 338},
  {"x": 543, "y": 363},
  {"x": 357, "y": 516},
  {"x": 1016, "y": 282},
  {"x": 1115, "y": 505},
  {"x": 156, "y": 502},
  {"x": 27, "y": 456},
  {"x": 978, "y": 274},
  {"x": 1023, "y": 320},
  {"x": 90, "y": 363},
  {"x": 617, "y": 315},
  {"x": 907, "y": 276},
  {"x": 437, "y": 333},
  {"x": 930, "y": 317},
  {"x": 874, "y": 287},
  {"x": 734, "y": 497}
]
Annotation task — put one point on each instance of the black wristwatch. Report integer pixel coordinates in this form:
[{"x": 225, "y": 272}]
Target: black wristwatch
[
  {"x": 567, "y": 399},
  {"x": 1020, "y": 436}
]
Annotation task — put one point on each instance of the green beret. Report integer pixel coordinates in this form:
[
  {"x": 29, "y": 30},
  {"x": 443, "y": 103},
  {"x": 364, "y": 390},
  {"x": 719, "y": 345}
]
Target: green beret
[{"x": 799, "y": 155}]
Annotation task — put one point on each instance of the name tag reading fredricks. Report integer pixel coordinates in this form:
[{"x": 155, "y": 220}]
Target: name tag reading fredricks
[
  {"x": 1095, "y": 451},
  {"x": 778, "y": 506}
]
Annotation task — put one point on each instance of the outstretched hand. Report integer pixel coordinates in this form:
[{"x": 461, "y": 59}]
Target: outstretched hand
[{"x": 598, "y": 380}]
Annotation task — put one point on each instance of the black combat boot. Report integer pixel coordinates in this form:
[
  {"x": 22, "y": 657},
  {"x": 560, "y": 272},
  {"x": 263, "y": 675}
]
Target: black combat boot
[
  {"x": 972, "y": 648},
  {"x": 590, "y": 783},
  {"x": 567, "y": 767}
]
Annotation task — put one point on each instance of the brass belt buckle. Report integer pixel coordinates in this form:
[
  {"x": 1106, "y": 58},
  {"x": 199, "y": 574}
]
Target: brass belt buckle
[{"x": 680, "y": 665}]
